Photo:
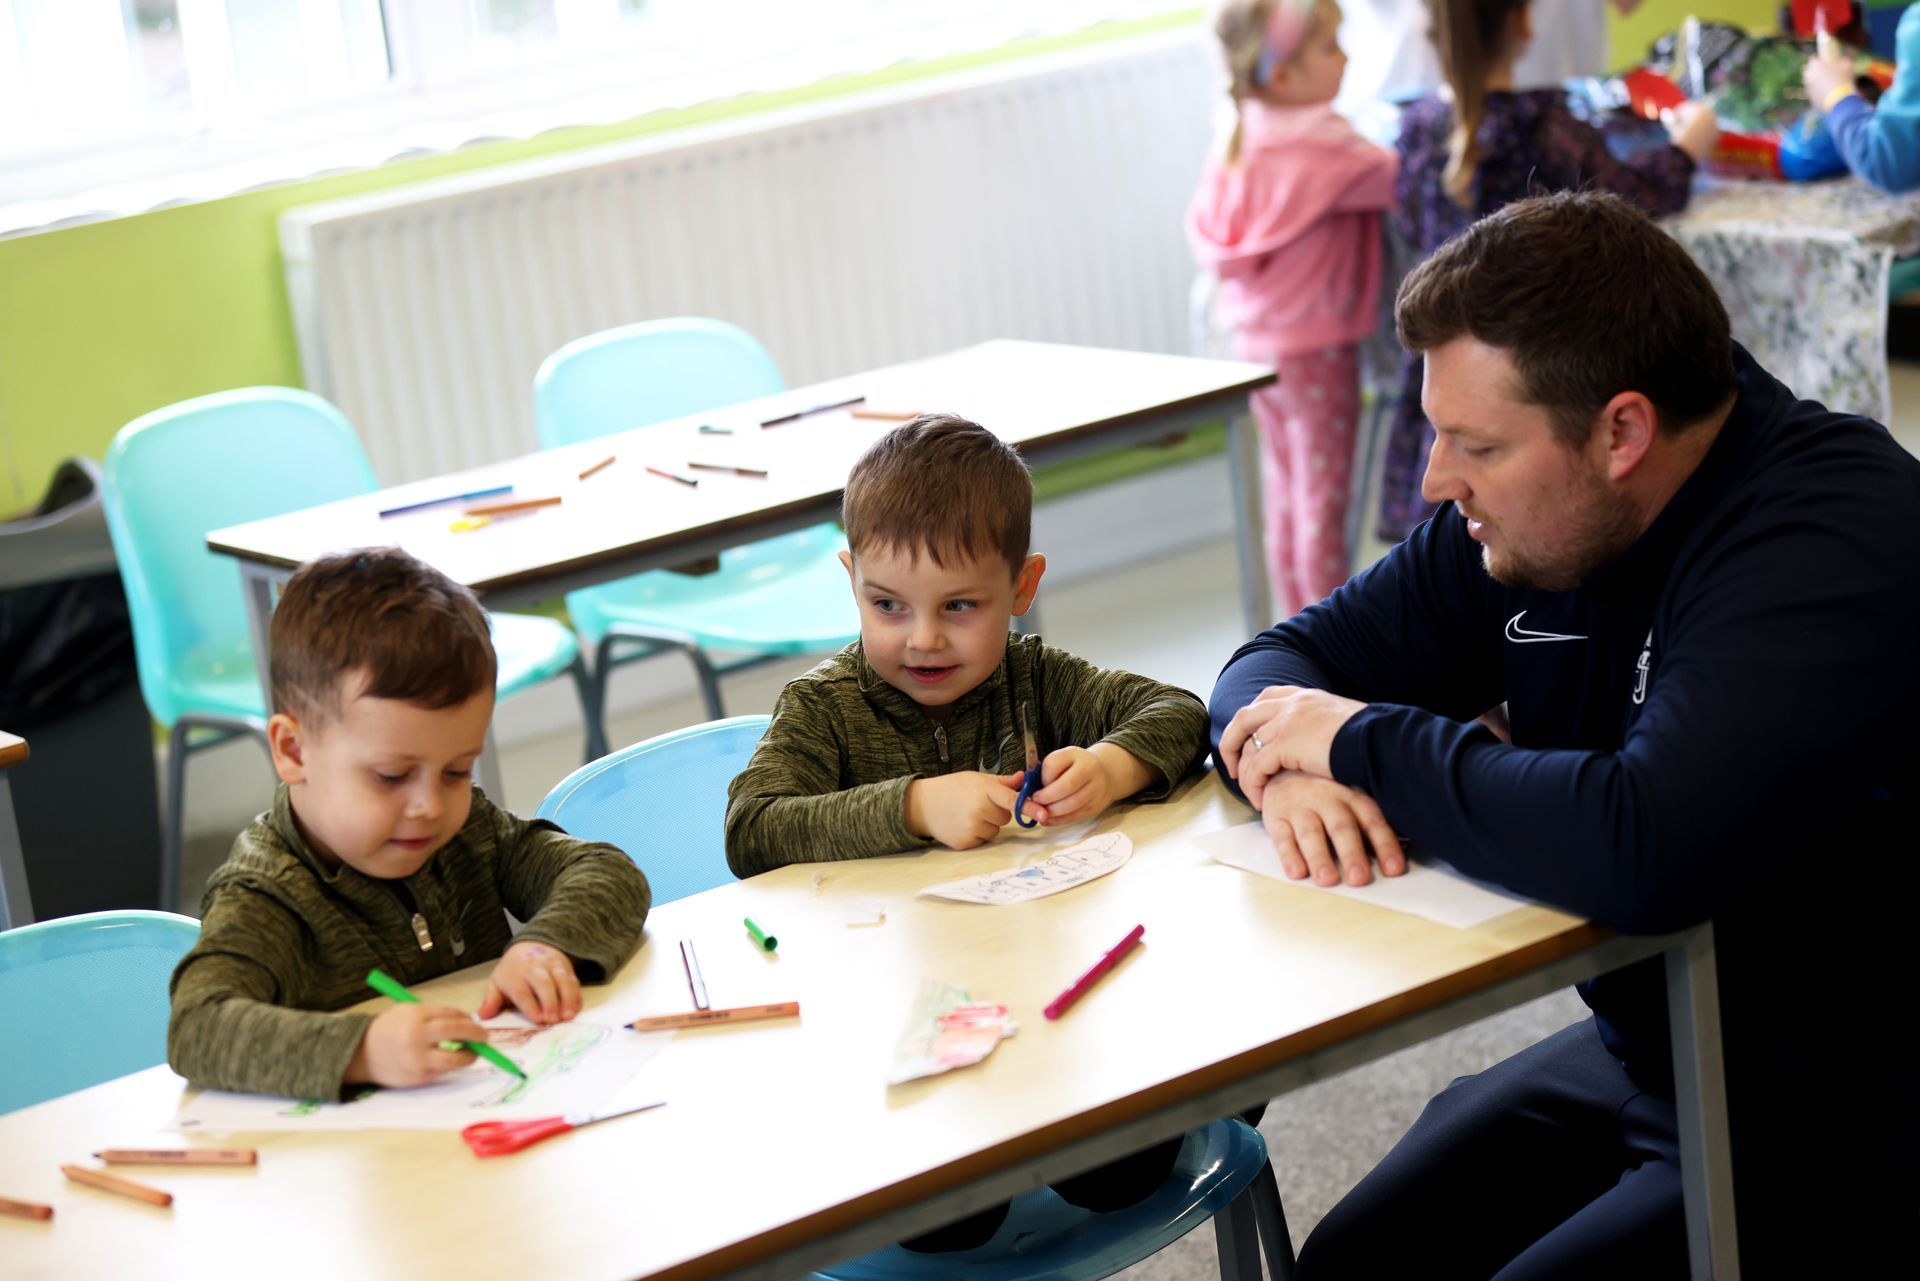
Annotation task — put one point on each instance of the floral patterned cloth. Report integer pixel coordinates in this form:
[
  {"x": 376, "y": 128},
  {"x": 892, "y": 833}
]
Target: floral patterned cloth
[
  {"x": 1531, "y": 143},
  {"x": 1803, "y": 270}
]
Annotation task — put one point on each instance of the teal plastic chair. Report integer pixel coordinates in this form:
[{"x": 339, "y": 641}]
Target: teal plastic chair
[
  {"x": 84, "y": 999},
  {"x": 770, "y": 599},
  {"x": 173, "y": 475},
  {"x": 664, "y": 801}
]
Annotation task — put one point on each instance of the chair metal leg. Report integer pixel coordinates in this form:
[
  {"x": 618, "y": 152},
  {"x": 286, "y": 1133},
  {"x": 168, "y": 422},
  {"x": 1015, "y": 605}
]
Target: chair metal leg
[
  {"x": 1275, "y": 1241},
  {"x": 16, "y": 901},
  {"x": 709, "y": 680},
  {"x": 591, "y": 710},
  {"x": 173, "y": 821},
  {"x": 1236, "y": 1232}
]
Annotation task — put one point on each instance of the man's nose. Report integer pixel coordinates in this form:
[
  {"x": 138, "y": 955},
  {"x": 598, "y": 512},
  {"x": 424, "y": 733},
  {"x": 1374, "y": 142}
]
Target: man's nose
[{"x": 1441, "y": 483}]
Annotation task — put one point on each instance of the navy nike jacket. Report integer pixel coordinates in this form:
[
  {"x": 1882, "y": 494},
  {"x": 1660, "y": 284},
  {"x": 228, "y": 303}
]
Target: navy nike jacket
[{"x": 1722, "y": 724}]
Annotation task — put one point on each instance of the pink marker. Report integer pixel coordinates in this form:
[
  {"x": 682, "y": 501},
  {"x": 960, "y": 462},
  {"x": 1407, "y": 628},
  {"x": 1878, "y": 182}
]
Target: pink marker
[{"x": 1064, "y": 1002}]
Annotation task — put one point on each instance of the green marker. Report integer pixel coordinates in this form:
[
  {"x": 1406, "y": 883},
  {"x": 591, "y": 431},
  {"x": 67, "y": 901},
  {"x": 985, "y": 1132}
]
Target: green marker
[
  {"x": 384, "y": 984},
  {"x": 760, "y": 936}
]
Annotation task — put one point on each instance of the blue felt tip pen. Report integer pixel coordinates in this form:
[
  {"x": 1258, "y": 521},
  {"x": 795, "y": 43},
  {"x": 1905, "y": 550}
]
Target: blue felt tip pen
[{"x": 450, "y": 498}]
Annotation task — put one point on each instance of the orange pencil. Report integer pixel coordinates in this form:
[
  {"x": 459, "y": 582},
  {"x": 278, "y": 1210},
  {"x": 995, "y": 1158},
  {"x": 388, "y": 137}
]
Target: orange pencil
[
  {"x": 25, "y": 1209},
  {"x": 604, "y": 462},
  {"x": 513, "y": 505},
  {"x": 735, "y": 1014},
  {"x": 114, "y": 1183},
  {"x": 890, "y": 415},
  {"x": 177, "y": 1156}
]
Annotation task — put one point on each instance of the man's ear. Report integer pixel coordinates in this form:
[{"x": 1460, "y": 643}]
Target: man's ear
[
  {"x": 1027, "y": 582},
  {"x": 287, "y": 742},
  {"x": 1628, "y": 428}
]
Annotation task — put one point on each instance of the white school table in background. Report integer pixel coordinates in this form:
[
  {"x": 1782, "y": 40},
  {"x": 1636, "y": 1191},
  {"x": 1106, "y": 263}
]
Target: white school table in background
[
  {"x": 1054, "y": 402},
  {"x": 781, "y": 1147},
  {"x": 16, "y": 904}
]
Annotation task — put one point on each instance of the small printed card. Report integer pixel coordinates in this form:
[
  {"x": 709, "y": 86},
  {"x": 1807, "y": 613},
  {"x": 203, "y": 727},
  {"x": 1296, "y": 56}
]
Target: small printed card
[{"x": 1087, "y": 861}]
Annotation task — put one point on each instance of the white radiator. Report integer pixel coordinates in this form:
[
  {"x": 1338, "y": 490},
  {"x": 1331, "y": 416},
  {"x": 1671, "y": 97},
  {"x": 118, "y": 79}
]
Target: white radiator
[{"x": 1040, "y": 199}]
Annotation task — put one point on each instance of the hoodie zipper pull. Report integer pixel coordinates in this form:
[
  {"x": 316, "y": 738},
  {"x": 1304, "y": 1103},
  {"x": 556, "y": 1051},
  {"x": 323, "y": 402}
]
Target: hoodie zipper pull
[
  {"x": 420, "y": 932},
  {"x": 940, "y": 741}
]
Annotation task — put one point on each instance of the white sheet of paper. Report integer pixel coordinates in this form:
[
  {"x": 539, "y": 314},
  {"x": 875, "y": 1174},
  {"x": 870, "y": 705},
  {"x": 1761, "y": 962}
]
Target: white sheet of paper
[
  {"x": 1436, "y": 892},
  {"x": 571, "y": 1067},
  {"x": 1076, "y": 865}
]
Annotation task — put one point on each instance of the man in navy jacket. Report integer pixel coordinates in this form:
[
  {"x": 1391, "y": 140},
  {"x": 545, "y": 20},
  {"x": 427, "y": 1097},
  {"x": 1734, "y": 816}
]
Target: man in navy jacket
[{"x": 1695, "y": 601}]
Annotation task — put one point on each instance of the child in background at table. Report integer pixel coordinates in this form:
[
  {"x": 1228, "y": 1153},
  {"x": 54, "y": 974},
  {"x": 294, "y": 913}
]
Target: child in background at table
[
  {"x": 1881, "y": 143},
  {"x": 380, "y": 852},
  {"x": 1481, "y": 145},
  {"x": 1288, "y": 216},
  {"x": 912, "y": 734}
]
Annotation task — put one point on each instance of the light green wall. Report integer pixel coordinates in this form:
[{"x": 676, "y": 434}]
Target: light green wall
[
  {"x": 103, "y": 322},
  {"x": 1631, "y": 35}
]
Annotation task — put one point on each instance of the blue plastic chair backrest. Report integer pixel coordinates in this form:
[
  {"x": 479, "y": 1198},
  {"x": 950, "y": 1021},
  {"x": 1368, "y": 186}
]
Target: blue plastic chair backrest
[
  {"x": 84, "y": 999},
  {"x": 663, "y": 801},
  {"x": 175, "y": 474},
  {"x": 638, "y": 374}
]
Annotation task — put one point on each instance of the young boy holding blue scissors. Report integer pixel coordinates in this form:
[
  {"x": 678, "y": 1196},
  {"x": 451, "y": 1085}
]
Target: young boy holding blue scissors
[
  {"x": 921, "y": 731},
  {"x": 380, "y": 853},
  {"x": 914, "y": 734}
]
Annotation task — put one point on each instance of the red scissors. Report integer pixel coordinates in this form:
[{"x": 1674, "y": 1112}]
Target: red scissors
[{"x": 497, "y": 1138}]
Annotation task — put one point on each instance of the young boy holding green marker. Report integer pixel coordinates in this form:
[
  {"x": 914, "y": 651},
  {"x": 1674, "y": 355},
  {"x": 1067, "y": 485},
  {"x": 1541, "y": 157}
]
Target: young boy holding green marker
[
  {"x": 915, "y": 733},
  {"x": 380, "y": 854}
]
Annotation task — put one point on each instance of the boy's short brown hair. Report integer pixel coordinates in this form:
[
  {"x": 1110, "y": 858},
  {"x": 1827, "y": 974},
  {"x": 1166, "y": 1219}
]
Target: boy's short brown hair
[
  {"x": 1587, "y": 298},
  {"x": 944, "y": 486},
  {"x": 419, "y": 636}
]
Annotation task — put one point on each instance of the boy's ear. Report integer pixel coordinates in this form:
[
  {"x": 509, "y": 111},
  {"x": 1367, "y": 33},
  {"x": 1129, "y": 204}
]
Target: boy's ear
[
  {"x": 287, "y": 742},
  {"x": 846, "y": 558},
  {"x": 1027, "y": 582}
]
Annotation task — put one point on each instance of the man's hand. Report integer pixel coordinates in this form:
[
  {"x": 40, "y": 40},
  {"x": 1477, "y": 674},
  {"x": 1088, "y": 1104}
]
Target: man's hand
[
  {"x": 402, "y": 1045},
  {"x": 966, "y": 809},
  {"x": 536, "y": 980},
  {"x": 1327, "y": 829},
  {"x": 1285, "y": 728}
]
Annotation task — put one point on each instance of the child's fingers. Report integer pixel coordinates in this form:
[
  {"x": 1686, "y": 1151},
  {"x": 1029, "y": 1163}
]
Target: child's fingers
[
  {"x": 567, "y": 984},
  {"x": 1070, "y": 806},
  {"x": 1034, "y": 810},
  {"x": 543, "y": 996},
  {"x": 493, "y": 1002},
  {"x": 1077, "y": 778}
]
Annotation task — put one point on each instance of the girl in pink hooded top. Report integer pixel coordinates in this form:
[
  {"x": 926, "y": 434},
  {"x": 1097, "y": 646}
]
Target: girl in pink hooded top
[{"x": 1288, "y": 216}]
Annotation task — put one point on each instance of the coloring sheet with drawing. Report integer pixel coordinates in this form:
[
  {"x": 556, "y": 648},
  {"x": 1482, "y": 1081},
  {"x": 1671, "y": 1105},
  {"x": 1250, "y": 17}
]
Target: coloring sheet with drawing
[
  {"x": 1089, "y": 860},
  {"x": 570, "y": 1067}
]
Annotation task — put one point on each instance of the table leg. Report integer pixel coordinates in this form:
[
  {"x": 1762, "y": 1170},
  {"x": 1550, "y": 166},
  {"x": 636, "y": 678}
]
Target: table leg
[
  {"x": 1700, "y": 1099},
  {"x": 14, "y": 898},
  {"x": 257, "y": 584},
  {"x": 1243, "y": 467}
]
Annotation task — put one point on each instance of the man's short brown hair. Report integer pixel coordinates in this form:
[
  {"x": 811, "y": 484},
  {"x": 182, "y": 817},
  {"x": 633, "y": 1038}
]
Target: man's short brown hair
[
  {"x": 419, "y": 636},
  {"x": 942, "y": 486},
  {"x": 1588, "y": 299}
]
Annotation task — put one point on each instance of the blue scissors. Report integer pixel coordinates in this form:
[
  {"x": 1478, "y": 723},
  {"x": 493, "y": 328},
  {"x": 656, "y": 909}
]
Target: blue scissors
[{"x": 1032, "y": 780}]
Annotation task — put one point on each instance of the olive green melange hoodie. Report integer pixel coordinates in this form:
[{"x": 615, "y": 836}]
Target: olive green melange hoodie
[
  {"x": 829, "y": 780},
  {"x": 285, "y": 942}
]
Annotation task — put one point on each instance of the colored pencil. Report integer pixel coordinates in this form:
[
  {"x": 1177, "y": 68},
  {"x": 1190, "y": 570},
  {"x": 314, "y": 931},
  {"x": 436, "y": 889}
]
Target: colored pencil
[
  {"x": 25, "y": 1209},
  {"x": 695, "y": 984},
  {"x": 738, "y": 471},
  {"x": 519, "y": 505},
  {"x": 1064, "y": 1002},
  {"x": 890, "y": 415},
  {"x": 697, "y": 1018},
  {"x": 178, "y": 1156},
  {"x": 814, "y": 409},
  {"x": 114, "y": 1183},
  {"x": 469, "y": 496},
  {"x": 604, "y": 462},
  {"x": 673, "y": 475}
]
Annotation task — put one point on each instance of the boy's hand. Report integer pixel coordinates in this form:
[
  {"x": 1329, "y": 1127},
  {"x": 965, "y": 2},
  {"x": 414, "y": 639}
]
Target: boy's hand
[
  {"x": 1080, "y": 782},
  {"x": 402, "y": 1045},
  {"x": 537, "y": 980},
  {"x": 964, "y": 810}
]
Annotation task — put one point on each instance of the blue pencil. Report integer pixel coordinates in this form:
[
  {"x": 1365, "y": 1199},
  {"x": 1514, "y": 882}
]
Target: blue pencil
[{"x": 451, "y": 498}]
